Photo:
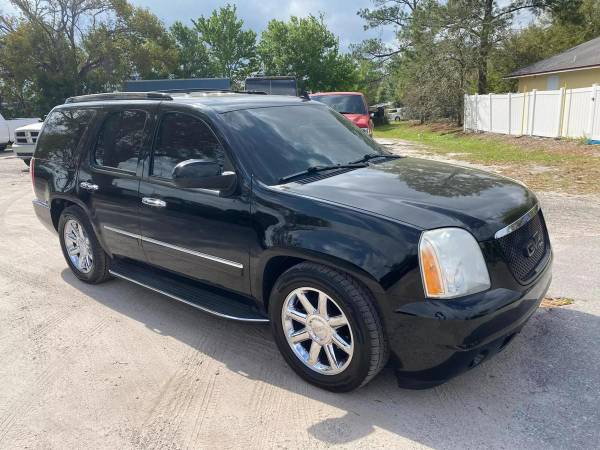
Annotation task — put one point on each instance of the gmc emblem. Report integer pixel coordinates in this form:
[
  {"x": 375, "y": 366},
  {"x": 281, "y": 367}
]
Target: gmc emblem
[{"x": 534, "y": 243}]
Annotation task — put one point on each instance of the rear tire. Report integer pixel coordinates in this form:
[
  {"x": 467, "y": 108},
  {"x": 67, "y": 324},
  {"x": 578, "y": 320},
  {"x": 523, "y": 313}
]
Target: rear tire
[
  {"x": 81, "y": 249},
  {"x": 311, "y": 344}
]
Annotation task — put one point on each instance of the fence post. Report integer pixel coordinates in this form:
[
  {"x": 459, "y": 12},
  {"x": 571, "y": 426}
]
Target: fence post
[
  {"x": 561, "y": 99},
  {"x": 490, "y": 102},
  {"x": 533, "y": 112},
  {"x": 592, "y": 116},
  {"x": 509, "y": 112},
  {"x": 465, "y": 100},
  {"x": 476, "y": 112}
]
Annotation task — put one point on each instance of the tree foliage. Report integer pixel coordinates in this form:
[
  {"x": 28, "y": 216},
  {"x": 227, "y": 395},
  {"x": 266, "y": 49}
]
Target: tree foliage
[
  {"x": 58, "y": 48},
  {"x": 231, "y": 50},
  {"x": 444, "y": 49},
  {"x": 306, "y": 49}
]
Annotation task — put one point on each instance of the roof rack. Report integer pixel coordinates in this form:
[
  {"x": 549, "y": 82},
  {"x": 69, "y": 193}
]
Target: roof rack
[{"x": 119, "y": 96}]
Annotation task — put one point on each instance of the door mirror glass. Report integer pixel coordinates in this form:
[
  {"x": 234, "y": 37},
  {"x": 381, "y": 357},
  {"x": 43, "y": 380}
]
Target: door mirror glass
[{"x": 203, "y": 174}]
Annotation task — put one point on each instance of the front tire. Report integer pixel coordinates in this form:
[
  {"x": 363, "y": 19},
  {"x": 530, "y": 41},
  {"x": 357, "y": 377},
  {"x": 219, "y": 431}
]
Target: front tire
[
  {"x": 327, "y": 327},
  {"x": 81, "y": 249}
]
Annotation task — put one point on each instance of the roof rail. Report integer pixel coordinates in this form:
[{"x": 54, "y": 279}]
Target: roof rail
[
  {"x": 192, "y": 90},
  {"x": 119, "y": 96}
]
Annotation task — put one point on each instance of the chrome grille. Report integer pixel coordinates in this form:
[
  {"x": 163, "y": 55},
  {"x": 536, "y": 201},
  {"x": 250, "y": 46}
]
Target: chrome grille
[{"x": 526, "y": 247}]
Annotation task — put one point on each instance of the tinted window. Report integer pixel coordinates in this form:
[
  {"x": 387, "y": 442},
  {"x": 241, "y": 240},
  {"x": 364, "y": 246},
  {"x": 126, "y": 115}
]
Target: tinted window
[
  {"x": 280, "y": 141},
  {"x": 345, "y": 104},
  {"x": 63, "y": 129},
  {"x": 120, "y": 140},
  {"x": 182, "y": 137}
]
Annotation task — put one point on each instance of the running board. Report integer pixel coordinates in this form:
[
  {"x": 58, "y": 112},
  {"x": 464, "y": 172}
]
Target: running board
[{"x": 208, "y": 299}]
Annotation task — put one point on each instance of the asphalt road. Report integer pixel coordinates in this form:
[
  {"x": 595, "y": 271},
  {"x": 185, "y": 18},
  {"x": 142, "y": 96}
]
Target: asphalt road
[{"x": 117, "y": 366}]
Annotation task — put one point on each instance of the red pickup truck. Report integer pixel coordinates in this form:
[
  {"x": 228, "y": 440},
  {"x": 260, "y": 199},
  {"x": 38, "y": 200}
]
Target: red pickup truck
[{"x": 353, "y": 105}]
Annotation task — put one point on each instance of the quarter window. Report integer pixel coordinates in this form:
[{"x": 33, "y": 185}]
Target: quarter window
[
  {"x": 120, "y": 140},
  {"x": 182, "y": 137}
]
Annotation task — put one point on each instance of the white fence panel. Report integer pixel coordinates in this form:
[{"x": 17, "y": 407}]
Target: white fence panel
[
  {"x": 545, "y": 120},
  {"x": 564, "y": 112},
  {"x": 500, "y": 110},
  {"x": 577, "y": 110},
  {"x": 517, "y": 116},
  {"x": 483, "y": 113}
]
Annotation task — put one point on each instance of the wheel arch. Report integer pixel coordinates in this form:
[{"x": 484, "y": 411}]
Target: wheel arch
[{"x": 278, "y": 261}]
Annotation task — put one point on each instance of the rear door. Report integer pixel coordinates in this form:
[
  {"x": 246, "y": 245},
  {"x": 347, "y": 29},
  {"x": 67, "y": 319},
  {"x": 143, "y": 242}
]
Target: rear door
[
  {"x": 110, "y": 177},
  {"x": 195, "y": 232}
]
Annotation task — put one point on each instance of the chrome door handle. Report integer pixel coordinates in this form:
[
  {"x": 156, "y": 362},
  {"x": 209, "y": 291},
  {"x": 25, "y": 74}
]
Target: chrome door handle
[
  {"x": 154, "y": 202},
  {"x": 88, "y": 186}
]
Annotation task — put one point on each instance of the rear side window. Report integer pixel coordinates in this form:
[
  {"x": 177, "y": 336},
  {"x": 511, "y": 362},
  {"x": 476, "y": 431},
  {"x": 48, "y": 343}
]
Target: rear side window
[
  {"x": 62, "y": 132},
  {"x": 120, "y": 140},
  {"x": 182, "y": 137}
]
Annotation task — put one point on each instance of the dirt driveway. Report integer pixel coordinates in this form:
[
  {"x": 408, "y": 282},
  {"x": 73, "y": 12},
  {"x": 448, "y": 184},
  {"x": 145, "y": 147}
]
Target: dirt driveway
[{"x": 117, "y": 366}]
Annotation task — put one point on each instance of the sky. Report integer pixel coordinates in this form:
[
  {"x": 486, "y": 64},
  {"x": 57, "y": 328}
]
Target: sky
[{"x": 340, "y": 15}]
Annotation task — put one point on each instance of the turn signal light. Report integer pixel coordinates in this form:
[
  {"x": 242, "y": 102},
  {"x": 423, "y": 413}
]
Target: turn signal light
[{"x": 431, "y": 271}]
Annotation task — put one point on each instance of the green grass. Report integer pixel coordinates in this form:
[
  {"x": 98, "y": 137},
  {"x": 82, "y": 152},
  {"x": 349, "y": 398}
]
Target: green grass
[{"x": 474, "y": 147}]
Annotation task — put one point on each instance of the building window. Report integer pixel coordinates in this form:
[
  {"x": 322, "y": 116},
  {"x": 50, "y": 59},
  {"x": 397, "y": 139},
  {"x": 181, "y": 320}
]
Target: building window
[{"x": 553, "y": 82}]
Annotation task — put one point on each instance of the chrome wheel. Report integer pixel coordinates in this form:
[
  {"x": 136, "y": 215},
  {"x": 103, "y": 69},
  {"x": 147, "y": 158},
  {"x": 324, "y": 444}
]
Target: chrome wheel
[
  {"x": 317, "y": 331},
  {"x": 77, "y": 245}
]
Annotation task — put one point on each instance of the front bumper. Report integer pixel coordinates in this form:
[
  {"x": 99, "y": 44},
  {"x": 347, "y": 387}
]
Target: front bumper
[
  {"x": 23, "y": 151},
  {"x": 433, "y": 341}
]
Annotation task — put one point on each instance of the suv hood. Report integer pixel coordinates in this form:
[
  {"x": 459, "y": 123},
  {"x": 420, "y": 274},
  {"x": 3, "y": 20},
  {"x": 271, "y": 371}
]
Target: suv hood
[{"x": 427, "y": 194}]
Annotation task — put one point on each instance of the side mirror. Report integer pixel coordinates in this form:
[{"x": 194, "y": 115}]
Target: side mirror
[{"x": 202, "y": 174}]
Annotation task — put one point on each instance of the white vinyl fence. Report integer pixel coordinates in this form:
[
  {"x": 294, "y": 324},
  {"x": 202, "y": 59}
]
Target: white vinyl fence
[{"x": 571, "y": 113}]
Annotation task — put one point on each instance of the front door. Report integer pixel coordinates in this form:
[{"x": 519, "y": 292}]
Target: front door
[
  {"x": 109, "y": 179},
  {"x": 195, "y": 232}
]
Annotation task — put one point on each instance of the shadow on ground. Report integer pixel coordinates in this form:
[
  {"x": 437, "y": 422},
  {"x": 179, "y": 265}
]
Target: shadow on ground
[{"x": 542, "y": 391}]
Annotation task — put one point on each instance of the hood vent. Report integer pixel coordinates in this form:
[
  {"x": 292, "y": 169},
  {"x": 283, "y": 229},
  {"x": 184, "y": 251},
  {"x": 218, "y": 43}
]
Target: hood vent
[{"x": 323, "y": 175}]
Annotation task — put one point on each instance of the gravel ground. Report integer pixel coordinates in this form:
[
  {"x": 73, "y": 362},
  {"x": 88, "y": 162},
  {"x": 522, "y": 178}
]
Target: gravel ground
[{"x": 117, "y": 366}]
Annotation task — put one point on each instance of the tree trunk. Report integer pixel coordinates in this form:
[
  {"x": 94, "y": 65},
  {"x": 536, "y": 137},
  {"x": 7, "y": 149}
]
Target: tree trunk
[{"x": 484, "y": 46}]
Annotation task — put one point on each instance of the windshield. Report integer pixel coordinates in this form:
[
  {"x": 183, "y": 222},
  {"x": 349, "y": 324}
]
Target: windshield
[
  {"x": 343, "y": 103},
  {"x": 278, "y": 141}
]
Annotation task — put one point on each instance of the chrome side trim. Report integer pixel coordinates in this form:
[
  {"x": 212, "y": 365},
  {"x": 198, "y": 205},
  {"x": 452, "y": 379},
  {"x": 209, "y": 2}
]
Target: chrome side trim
[
  {"x": 227, "y": 262},
  {"x": 41, "y": 203},
  {"x": 123, "y": 232},
  {"x": 518, "y": 223},
  {"x": 187, "y": 302}
]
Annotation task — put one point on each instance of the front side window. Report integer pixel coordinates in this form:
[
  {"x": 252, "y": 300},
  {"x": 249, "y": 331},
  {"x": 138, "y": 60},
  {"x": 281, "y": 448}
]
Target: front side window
[
  {"x": 120, "y": 140},
  {"x": 182, "y": 137}
]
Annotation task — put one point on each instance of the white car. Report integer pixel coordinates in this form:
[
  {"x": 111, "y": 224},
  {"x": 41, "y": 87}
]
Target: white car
[
  {"x": 25, "y": 140},
  {"x": 395, "y": 115},
  {"x": 8, "y": 128}
]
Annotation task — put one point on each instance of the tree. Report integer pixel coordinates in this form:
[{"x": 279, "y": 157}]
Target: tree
[
  {"x": 231, "y": 50},
  {"x": 482, "y": 23},
  {"x": 70, "y": 47},
  {"x": 306, "y": 49},
  {"x": 192, "y": 56}
]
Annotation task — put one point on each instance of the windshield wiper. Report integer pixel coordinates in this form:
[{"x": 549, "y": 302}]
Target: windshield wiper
[
  {"x": 370, "y": 156},
  {"x": 315, "y": 169}
]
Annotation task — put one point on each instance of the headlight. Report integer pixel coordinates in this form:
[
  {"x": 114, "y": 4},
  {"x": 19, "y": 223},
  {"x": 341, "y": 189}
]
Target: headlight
[{"x": 451, "y": 263}]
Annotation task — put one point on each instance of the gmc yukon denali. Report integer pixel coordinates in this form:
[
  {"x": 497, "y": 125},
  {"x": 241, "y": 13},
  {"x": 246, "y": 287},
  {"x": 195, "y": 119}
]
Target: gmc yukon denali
[{"x": 277, "y": 209}]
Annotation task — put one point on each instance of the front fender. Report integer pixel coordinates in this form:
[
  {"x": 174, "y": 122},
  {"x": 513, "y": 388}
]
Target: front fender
[{"x": 378, "y": 251}]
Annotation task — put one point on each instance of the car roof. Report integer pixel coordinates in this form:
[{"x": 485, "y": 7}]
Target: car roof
[
  {"x": 338, "y": 93},
  {"x": 220, "y": 102}
]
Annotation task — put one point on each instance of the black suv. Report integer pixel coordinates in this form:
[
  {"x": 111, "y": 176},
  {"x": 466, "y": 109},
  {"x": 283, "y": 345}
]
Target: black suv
[{"x": 269, "y": 208}]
